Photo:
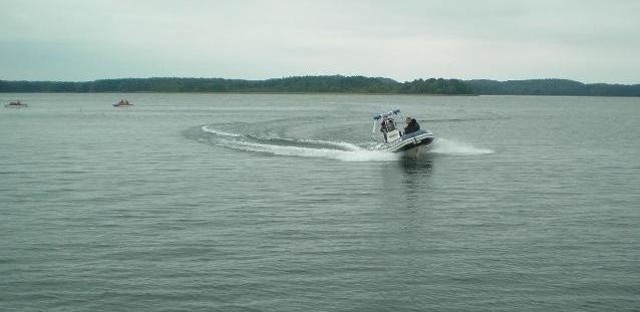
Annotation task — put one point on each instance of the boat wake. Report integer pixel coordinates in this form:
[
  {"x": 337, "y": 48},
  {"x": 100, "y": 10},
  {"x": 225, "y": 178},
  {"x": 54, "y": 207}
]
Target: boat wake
[
  {"x": 455, "y": 148},
  {"x": 344, "y": 151},
  {"x": 274, "y": 145}
]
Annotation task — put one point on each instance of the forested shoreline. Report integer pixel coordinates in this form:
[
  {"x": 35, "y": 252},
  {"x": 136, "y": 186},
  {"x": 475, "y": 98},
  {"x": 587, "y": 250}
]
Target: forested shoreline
[
  {"x": 330, "y": 84},
  {"x": 302, "y": 84},
  {"x": 551, "y": 87}
]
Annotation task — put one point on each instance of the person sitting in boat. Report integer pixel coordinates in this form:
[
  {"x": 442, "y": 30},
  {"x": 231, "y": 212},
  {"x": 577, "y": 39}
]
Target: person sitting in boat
[
  {"x": 412, "y": 125},
  {"x": 386, "y": 125}
]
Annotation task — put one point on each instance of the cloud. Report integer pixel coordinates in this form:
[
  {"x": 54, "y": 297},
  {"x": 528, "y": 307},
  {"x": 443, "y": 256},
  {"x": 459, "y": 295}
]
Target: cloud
[{"x": 585, "y": 40}]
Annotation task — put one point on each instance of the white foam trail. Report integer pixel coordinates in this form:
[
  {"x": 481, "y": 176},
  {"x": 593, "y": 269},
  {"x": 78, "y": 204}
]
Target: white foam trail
[
  {"x": 218, "y": 132},
  {"x": 343, "y": 145},
  {"x": 345, "y": 152},
  {"x": 351, "y": 155},
  {"x": 449, "y": 147}
]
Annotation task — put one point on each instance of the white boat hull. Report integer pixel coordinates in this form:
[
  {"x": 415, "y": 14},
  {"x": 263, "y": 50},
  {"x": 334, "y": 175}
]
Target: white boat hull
[{"x": 410, "y": 143}]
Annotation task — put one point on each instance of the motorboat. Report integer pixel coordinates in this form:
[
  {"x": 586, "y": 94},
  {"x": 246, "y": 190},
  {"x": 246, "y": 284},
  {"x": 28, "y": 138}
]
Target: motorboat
[
  {"x": 392, "y": 139},
  {"x": 122, "y": 103},
  {"x": 16, "y": 104}
]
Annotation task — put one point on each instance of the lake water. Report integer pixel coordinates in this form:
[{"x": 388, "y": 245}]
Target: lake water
[{"x": 267, "y": 202}]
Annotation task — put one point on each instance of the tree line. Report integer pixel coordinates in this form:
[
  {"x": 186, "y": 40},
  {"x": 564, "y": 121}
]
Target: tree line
[
  {"x": 551, "y": 87},
  {"x": 330, "y": 84},
  {"x": 301, "y": 84}
]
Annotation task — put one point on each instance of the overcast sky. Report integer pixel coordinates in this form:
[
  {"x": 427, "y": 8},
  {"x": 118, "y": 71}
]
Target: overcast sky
[{"x": 589, "y": 41}]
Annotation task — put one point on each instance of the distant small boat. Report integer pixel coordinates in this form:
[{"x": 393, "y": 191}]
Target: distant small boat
[
  {"x": 122, "y": 103},
  {"x": 16, "y": 104}
]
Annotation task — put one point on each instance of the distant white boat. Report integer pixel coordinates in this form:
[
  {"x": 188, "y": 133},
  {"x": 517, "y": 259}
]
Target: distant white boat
[
  {"x": 16, "y": 104},
  {"x": 122, "y": 103}
]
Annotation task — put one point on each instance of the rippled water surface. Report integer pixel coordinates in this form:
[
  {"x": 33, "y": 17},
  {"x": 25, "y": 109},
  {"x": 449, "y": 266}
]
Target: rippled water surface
[{"x": 210, "y": 202}]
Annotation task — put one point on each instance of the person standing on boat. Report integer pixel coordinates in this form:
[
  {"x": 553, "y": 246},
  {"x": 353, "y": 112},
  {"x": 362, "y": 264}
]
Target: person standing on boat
[
  {"x": 386, "y": 125},
  {"x": 412, "y": 125}
]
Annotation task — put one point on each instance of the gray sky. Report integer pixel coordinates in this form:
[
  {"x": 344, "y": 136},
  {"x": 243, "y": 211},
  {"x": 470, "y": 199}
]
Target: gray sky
[{"x": 590, "y": 41}]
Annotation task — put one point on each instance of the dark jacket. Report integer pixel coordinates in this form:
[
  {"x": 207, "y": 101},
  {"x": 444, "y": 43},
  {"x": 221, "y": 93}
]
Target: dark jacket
[{"x": 413, "y": 126}]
